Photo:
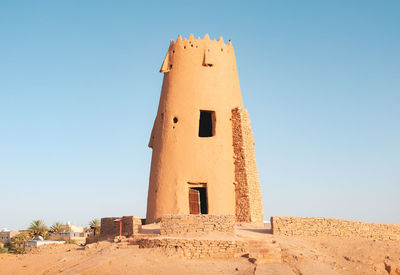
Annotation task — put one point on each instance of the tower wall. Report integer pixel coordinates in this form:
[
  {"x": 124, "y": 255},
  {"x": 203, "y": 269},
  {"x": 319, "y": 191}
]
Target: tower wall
[{"x": 199, "y": 74}]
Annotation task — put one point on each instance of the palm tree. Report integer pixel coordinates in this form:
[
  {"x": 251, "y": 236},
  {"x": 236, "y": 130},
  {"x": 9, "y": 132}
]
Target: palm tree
[
  {"x": 38, "y": 228},
  {"x": 94, "y": 225},
  {"x": 58, "y": 227}
]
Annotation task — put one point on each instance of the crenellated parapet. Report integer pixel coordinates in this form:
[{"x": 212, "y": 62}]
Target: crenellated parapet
[{"x": 205, "y": 52}]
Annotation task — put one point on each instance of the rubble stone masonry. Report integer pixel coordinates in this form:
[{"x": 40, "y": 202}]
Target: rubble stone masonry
[
  {"x": 183, "y": 224},
  {"x": 131, "y": 225},
  {"x": 296, "y": 226},
  {"x": 247, "y": 185},
  {"x": 198, "y": 249}
]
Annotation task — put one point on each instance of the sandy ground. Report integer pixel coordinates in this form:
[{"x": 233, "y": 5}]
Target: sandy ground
[{"x": 300, "y": 255}]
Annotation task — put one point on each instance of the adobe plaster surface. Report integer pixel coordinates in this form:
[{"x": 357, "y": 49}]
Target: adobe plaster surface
[{"x": 199, "y": 74}]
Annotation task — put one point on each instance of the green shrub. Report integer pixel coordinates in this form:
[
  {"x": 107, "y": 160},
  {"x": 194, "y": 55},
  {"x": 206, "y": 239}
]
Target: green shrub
[
  {"x": 17, "y": 249},
  {"x": 3, "y": 250},
  {"x": 17, "y": 244}
]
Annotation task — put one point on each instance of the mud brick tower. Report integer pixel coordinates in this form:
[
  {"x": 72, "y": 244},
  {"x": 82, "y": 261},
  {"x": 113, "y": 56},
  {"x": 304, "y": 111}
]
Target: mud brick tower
[{"x": 203, "y": 158}]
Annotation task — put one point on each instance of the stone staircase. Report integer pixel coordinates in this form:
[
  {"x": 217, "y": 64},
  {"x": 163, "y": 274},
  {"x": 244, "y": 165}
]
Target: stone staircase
[
  {"x": 264, "y": 252},
  {"x": 132, "y": 242},
  {"x": 123, "y": 242}
]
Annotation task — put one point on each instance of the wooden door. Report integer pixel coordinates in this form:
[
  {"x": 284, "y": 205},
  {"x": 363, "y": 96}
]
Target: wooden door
[{"x": 194, "y": 201}]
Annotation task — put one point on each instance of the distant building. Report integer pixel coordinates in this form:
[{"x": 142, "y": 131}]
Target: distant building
[
  {"x": 75, "y": 228},
  {"x": 36, "y": 243},
  {"x": 78, "y": 237},
  {"x": 6, "y": 235},
  {"x": 73, "y": 232}
]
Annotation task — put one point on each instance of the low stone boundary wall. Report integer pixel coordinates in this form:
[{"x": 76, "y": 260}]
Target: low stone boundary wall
[
  {"x": 131, "y": 225},
  {"x": 92, "y": 239},
  {"x": 297, "y": 226},
  {"x": 183, "y": 224},
  {"x": 198, "y": 249}
]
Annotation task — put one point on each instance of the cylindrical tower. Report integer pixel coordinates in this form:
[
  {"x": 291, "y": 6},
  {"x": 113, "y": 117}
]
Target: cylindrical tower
[{"x": 194, "y": 168}]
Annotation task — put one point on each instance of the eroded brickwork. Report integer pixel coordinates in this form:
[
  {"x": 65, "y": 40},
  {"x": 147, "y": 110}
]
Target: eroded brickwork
[
  {"x": 183, "y": 224},
  {"x": 247, "y": 188},
  {"x": 296, "y": 226},
  {"x": 241, "y": 188},
  {"x": 197, "y": 249},
  {"x": 130, "y": 225}
]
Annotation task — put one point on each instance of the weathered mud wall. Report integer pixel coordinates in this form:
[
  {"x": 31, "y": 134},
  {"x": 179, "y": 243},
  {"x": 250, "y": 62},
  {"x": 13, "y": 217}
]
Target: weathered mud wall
[
  {"x": 199, "y": 75},
  {"x": 296, "y": 226}
]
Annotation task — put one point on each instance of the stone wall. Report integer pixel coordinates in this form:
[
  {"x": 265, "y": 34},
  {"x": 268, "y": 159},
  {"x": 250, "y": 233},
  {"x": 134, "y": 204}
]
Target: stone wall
[
  {"x": 109, "y": 227},
  {"x": 197, "y": 249},
  {"x": 296, "y": 226},
  {"x": 131, "y": 225},
  {"x": 247, "y": 188},
  {"x": 183, "y": 224}
]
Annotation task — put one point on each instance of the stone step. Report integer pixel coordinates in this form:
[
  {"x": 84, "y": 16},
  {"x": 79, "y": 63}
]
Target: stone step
[
  {"x": 260, "y": 250},
  {"x": 264, "y": 260},
  {"x": 264, "y": 252},
  {"x": 137, "y": 237},
  {"x": 127, "y": 246},
  {"x": 146, "y": 235}
]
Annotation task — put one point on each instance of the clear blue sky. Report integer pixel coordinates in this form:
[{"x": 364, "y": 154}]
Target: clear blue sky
[{"x": 79, "y": 89}]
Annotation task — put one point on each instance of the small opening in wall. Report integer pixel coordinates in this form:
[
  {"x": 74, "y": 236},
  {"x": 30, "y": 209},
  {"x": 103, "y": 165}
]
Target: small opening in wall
[
  {"x": 191, "y": 45},
  {"x": 207, "y": 123},
  {"x": 184, "y": 47},
  {"x": 175, "y": 119},
  {"x": 222, "y": 49},
  {"x": 170, "y": 66},
  {"x": 173, "y": 51}
]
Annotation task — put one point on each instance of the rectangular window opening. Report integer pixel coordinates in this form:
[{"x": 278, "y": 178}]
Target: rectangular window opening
[
  {"x": 198, "y": 200},
  {"x": 207, "y": 124}
]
